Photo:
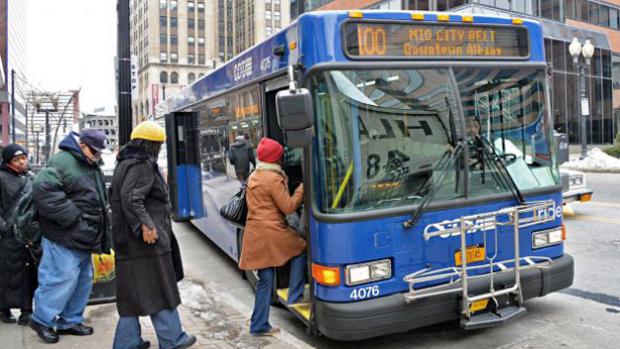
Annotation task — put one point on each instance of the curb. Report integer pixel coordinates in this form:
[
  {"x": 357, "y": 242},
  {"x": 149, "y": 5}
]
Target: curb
[{"x": 592, "y": 170}]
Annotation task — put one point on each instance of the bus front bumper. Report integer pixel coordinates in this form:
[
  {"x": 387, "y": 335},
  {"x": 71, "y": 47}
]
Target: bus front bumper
[{"x": 392, "y": 314}]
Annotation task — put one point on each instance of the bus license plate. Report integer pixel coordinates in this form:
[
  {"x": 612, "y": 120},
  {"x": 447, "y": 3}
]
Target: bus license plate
[{"x": 473, "y": 254}]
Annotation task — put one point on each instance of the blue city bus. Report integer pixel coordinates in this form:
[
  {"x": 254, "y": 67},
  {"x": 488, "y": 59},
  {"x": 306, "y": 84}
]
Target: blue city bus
[{"x": 424, "y": 142}]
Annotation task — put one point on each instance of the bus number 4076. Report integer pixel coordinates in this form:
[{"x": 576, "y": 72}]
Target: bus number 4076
[{"x": 364, "y": 292}]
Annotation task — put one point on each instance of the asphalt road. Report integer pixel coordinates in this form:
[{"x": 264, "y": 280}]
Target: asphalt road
[{"x": 587, "y": 315}]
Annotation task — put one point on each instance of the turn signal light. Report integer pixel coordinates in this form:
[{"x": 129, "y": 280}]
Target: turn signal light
[
  {"x": 586, "y": 197},
  {"x": 443, "y": 18},
  {"x": 563, "y": 232},
  {"x": 328, "y": 276},
  {"x": 417, "y": 16}
]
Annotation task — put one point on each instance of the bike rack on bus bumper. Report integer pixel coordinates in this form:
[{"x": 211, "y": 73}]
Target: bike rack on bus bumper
[{"x": 519, "y": 217}]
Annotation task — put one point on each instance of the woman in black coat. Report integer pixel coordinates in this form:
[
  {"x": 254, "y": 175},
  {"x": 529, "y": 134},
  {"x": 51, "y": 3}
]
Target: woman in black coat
[
  {"x": 147, "y": 256},
  {"x": 18, "y": 273}
]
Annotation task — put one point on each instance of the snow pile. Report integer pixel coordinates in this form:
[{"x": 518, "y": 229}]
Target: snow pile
[
  {"x": 596, "y": 161},
  {"x": 194, "y": 296}
]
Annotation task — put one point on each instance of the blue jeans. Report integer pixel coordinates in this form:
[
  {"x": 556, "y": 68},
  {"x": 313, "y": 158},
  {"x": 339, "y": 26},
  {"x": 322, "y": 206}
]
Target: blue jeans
[
  {"x": 65, "y": 282},
  {"x": 167, "y": 327},
  {"x": 296, "y": 282}
]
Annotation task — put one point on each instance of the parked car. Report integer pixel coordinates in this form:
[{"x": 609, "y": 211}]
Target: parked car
[{"x": 574, "y": 186}]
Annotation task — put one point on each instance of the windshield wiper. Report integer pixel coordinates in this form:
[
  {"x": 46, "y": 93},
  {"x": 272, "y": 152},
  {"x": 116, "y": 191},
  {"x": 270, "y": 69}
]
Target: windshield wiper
[
  {"x": 399, "y": 199},
  {"x": 435, "y": 182},
  {"x": 488, "y": 151}
]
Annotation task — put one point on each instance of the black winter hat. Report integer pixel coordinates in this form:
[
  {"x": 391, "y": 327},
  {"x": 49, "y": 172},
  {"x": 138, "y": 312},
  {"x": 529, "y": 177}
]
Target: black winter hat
[{"x": 12, "y": 150}]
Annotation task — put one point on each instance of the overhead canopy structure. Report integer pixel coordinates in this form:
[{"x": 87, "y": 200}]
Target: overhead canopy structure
[{"x": 50, "y": 116}]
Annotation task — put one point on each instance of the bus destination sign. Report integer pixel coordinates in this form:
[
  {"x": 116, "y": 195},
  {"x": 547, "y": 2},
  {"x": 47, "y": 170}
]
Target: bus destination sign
[{"x": 425, "y": 40}]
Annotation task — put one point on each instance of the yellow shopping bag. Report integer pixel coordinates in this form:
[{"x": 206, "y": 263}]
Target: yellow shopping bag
[{"x": 103, "y": 265}]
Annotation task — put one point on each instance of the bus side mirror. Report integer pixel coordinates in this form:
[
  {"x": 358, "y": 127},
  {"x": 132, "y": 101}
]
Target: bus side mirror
[{"x": 295, "y": 116}]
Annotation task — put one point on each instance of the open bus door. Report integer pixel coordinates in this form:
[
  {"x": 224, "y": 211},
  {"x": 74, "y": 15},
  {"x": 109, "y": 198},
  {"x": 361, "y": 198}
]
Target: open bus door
[{"x": 184, "y": 174}]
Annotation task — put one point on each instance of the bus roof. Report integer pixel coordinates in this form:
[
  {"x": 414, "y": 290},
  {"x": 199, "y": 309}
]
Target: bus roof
[{"x": 314, "y": 38}]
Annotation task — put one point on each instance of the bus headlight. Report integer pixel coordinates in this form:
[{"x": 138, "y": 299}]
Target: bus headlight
[
  {"x": 356, "y": 274},
  {"x": 546, "y": 238}
]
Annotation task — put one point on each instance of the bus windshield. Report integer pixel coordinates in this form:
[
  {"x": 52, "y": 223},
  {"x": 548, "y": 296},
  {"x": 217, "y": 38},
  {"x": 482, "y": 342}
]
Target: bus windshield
[{"x": 386, "y": 136}]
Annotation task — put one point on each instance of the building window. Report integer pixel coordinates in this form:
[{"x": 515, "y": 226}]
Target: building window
[
  {"x": 163, "y": 21},
  {"x": 201, "y": 59},
  {"x": 201, "y": 41},
  {"x": 268, "y": 31},
  {"x": 201, "y": 24},
  {"x": 174, "y": 57},
  {"x": 173, "y": 5},
  {"x": 174, "y": 78},
  {"x": 163, "y": 39},
  {"x": 201, "y": 7},
  {"x": 190, "y": 23},
  {"x": 276, "y": 15},
  {"x": 190, "y": 39},
  {"x": 191, "y": 59},
  {"x": 191, "y": 77},
  {"x": 163, "y": 4},
  {"x": 163, "y": 77},
  {"x": 268, "y": 14},
  {"x": 190, "y": 5},
  {"x": 163, "y": 57},
  {"x": 200, "y": 75},
  {"x": 173, "y": 39},
  {"x": 173, "y": 22}
]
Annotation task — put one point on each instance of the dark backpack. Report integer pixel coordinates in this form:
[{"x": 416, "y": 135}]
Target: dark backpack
[{"x": 26, "y": 226}]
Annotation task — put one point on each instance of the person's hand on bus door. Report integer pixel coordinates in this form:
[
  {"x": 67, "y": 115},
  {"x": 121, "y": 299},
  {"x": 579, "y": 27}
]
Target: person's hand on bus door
[
  {"x": 300, "y": 188},
  {"x": 149, "y": 235}
]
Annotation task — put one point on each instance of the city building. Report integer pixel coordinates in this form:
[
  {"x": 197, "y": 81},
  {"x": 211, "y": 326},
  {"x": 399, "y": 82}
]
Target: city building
[
  {"x": 173, "y": 42},
  {"x": 106, "y": 123},
  {"x": 562, "y": 21},
  {"x": 12, "y": 53},
  {"x": 241, "y": 24}
]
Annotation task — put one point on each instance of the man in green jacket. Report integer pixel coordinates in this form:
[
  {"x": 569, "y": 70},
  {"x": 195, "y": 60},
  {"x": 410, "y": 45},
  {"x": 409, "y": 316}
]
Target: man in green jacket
[{"x": 70, "y": 197}]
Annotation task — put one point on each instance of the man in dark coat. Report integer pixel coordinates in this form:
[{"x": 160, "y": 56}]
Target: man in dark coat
[
  {"x": 147, "y": 255},
  {"x": 241, "y": 155},
  {"x": 18, "y": 274},
  {"x": 71, "y": 201}
]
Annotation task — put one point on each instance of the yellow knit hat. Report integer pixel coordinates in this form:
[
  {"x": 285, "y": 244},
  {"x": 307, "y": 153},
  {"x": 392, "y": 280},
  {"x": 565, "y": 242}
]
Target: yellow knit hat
[{"x": 150, "y": 131}]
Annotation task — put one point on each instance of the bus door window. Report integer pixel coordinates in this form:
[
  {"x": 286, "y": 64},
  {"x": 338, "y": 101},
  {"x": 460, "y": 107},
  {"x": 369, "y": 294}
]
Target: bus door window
[{"x": 292, "y": 159}]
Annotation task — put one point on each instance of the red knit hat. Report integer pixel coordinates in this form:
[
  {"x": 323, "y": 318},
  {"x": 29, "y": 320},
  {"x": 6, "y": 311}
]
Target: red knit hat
[{"x": 269, "y": 150}]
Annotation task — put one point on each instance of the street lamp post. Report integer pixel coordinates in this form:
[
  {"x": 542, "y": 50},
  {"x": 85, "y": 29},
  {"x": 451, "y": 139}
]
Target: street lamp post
[{"x": 587, "y": 51}]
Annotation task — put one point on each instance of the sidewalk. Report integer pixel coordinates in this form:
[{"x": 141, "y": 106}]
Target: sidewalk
[{"x": 216, "y": 320}]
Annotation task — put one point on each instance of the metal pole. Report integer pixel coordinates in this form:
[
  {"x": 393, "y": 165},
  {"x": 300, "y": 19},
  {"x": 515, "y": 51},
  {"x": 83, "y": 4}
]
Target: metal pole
[
  {"x": 163, "y": 91},
  {"x": 26, "y": 125},
  {"x": 46, "y": 151},
  {"x": 36, "y": 135},
  {"x": 124, "y": 72},
  {"x": 582, "y": 95},
  {"x": 13, "y": 104}
]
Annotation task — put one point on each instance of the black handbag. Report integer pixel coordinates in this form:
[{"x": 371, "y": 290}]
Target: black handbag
[{"x": 236, "y": 209}]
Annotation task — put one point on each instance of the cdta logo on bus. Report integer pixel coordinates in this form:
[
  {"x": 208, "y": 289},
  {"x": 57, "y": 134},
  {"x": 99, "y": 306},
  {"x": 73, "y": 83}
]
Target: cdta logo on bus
[{"x": 483, "y": 224}]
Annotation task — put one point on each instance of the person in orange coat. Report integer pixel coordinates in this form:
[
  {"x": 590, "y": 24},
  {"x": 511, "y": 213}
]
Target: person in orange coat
[{"x": 267, "y": 241}]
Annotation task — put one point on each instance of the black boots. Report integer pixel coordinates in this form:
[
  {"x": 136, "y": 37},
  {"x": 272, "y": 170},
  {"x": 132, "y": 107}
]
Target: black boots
[
  {"x": 24, "y": 318},
  {"x": 47, "y": 334},
  {"x": 77, "y": 330},
  {"x": 7, "y": 317}
]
